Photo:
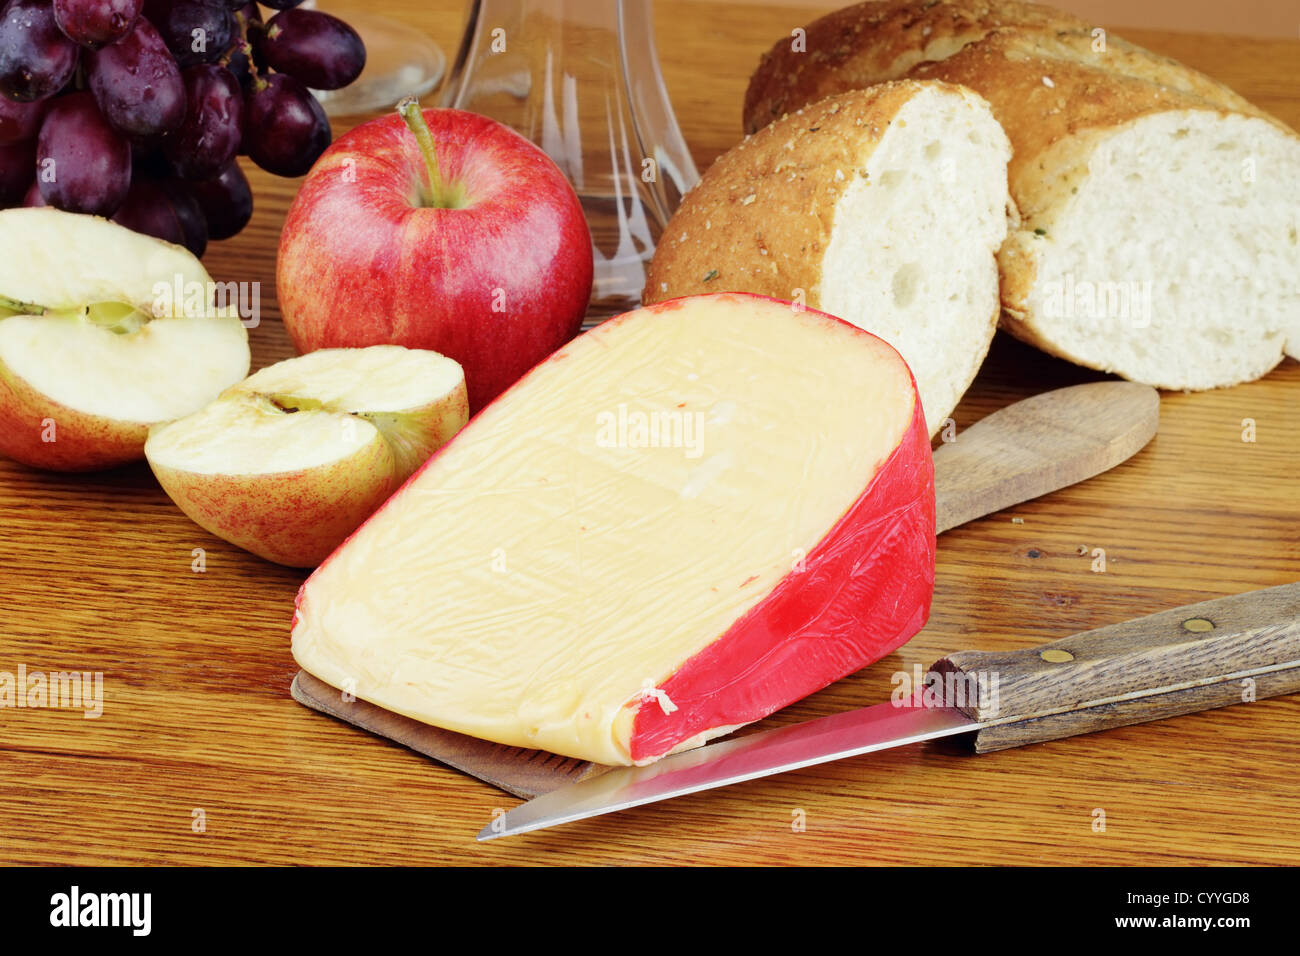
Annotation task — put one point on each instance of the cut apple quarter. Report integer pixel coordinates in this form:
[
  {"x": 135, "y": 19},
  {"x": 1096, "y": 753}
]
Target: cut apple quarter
[
  {"x": 93, "y": 346},
  {"x": 678, "y": 523},
  {"x": 289, "y": 462}
]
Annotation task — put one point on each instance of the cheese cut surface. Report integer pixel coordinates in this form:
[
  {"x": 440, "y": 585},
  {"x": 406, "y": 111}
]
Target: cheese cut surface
[{"x": 680, "y": 522}]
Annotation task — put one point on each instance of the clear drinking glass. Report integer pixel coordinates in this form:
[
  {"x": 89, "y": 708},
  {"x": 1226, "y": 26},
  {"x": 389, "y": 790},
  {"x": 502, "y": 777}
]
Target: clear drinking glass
[{"x": 581, "y": 79}]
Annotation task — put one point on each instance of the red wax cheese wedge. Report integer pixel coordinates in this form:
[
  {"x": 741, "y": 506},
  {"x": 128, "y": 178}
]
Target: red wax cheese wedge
[{"x": 680, "y": 522}]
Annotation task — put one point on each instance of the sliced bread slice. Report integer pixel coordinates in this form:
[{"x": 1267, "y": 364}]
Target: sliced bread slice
[
  {"x": 1159, "y": 228},
  {"x": 884, "y": 207},
  {"x": 1158, "y": 235}
]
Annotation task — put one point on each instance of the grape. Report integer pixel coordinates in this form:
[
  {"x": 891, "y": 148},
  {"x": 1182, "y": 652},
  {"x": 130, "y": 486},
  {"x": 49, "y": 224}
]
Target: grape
[
  {"x": 147, "y": 209},
  {"x": 84, "y": 164},
  {"x": 147, "y": 131},
  {"x": 321, "y": 50},
  {"x": 285, "y": 128},
  {"x": 226, "y": 202},
  {"x": 193, "y": 226},
  {"x": 209, "y": 136},
  {"x": 17, "y": 170},
  {"x": 163, "y": 208},
  {"x": 36, "y": 59},
  {"x": 208, "y": 25},
  {"x": 20, "y": 121},
  {"x": 137, "y": 83},
  {"x": 93, "y": 23}
]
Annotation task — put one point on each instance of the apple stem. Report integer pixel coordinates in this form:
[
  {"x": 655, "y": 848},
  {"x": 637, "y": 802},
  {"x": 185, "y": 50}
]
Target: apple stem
[{"x": 440, "y": 197}]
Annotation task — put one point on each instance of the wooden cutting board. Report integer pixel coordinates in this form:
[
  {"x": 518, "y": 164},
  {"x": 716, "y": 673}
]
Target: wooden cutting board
[{"x": 1020, "y": 452}]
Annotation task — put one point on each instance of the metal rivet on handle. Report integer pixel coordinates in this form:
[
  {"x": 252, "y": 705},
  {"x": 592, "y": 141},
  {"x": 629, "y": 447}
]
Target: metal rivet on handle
[
  {"x": 1056, "y": 657},
  {"x": 1198, "y": 625}
]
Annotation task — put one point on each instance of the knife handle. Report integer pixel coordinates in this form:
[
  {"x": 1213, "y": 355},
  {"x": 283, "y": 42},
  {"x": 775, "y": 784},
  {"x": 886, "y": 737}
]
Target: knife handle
[
  {"x": 1228, "y": 651},
  {"x": 1040, "y": 444}
]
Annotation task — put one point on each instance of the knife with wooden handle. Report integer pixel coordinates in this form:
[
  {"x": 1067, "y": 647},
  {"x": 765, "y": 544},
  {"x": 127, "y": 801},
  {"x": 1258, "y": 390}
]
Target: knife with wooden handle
[{"x": 1227, "y": 651}]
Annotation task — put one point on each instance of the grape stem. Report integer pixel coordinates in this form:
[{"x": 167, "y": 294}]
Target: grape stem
[{"x": 440, "y": 196}]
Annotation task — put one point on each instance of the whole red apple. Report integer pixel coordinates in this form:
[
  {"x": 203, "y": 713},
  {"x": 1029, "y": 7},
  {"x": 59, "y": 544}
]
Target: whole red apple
[{"x": 441, "y": 230}]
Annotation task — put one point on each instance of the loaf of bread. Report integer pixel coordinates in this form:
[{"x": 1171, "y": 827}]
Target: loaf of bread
[
  {"x": 1159, "y": 210},
  {"x": 884, "y": 207}
]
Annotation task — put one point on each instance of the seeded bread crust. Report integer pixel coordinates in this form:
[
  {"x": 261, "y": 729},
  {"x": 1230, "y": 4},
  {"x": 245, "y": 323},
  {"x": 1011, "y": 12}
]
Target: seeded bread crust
[
  {"x": 868, "y": 43},
  {"x": 883, "y": 40},
  {"x": 760, "y": 218}
]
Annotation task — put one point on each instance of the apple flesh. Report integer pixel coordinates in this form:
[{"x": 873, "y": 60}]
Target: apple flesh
[
  {"x": 291, "y": 461},
  {"x": 441, "y": 230},
  {"x": 92, "y": 349}
]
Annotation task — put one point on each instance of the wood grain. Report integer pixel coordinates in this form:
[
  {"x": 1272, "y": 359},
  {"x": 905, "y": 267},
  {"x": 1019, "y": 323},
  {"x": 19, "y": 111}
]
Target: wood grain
[
  {"x": 97, "y": 575},
  {"x": 1233, "y": 650}
]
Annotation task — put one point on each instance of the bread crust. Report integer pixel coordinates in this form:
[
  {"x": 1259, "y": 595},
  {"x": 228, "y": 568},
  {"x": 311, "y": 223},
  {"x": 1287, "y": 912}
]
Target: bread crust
[
  {"x": 760, "y": 219},
  {"x": 876, "y": 41},
  {"x": 890, "y": 39}
]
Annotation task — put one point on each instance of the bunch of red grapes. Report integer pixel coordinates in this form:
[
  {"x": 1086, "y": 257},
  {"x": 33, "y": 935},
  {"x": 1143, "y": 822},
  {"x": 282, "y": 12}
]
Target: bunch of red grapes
[{"x": 136, "y": 109}]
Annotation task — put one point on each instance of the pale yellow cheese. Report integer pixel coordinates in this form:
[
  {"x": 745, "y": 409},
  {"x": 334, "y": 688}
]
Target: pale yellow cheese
[{"x": 552, "y": 564}]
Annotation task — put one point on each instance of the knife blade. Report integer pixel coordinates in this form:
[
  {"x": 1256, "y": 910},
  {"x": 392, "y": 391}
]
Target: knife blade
[
  {"x": 734, "y": 761},
  {"x": 1212, "y": 654}
]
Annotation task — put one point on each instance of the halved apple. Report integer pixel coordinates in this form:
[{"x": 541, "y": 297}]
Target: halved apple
[
  {"x": 289, "y": 462},
  {"x": 95, "y": 346}
]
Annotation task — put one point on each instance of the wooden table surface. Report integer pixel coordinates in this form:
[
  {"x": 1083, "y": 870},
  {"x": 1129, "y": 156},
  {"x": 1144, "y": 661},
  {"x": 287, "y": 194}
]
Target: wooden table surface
[{"x": 96, "y": 574}]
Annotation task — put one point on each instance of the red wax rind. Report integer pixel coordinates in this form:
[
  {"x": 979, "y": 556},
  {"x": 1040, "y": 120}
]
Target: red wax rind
[{"x": 862, "y": 592}]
